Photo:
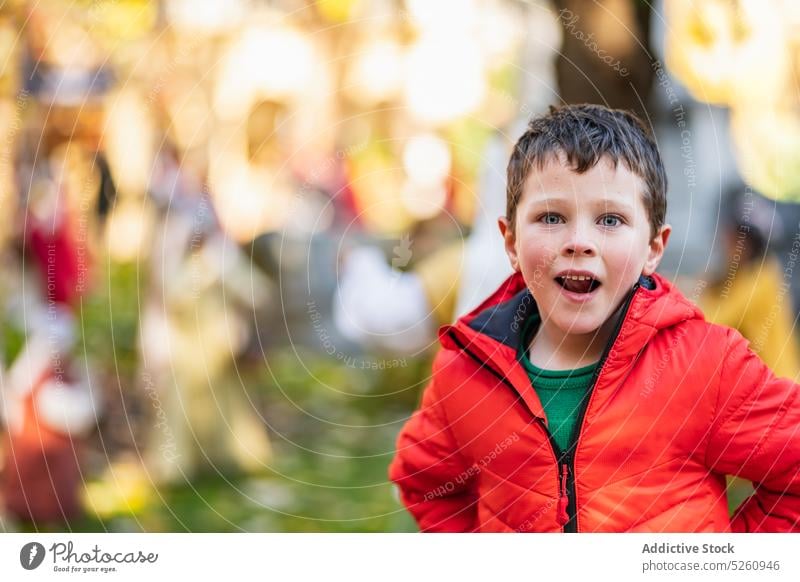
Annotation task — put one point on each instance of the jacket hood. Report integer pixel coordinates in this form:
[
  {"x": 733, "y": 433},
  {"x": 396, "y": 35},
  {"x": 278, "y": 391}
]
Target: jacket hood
[{"x": 490, "y": 333}]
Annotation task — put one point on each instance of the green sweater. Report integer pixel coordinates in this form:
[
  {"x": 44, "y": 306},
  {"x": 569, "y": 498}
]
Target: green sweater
[{"x": 561, "y": 391}]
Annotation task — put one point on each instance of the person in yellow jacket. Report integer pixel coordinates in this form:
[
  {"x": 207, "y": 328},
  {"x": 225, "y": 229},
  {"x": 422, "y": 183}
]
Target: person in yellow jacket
[{"x": 753, "y": 295}]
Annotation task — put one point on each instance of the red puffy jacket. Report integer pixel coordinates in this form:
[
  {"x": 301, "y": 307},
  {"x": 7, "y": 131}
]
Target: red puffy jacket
[{"x": 677, "y": 404}]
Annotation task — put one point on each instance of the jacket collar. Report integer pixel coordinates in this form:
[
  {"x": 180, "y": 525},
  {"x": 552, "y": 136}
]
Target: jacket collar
[{"x": 491, "y": 333}]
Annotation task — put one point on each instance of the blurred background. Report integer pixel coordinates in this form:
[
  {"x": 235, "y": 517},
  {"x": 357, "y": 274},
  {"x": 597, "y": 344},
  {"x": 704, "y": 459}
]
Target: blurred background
[{"x": 230, "y": 229}]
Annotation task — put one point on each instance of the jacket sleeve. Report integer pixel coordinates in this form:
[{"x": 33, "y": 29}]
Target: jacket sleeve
[
  {"x": 756, "y": 435},
  {"x": 435, "y": 480}
]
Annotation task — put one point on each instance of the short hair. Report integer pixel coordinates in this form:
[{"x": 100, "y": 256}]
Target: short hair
[{"x": 585, "y": 134}]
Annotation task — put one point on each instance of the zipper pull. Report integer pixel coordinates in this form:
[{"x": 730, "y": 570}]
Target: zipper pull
[{"x": 562, "y": 516}]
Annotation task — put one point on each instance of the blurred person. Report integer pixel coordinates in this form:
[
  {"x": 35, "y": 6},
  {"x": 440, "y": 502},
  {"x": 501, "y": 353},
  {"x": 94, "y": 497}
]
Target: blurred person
[
  {"x": 49, "y": 404},
  {"x": 751, "y": 293},
  {"x": 586, "y": 393},
  {"x": 378, "y": 305},
  {"x": 194, "y": 325}
]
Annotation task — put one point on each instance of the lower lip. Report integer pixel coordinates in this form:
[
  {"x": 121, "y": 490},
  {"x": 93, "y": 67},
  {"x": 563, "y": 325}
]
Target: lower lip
[{"x": 578, "y": 297}]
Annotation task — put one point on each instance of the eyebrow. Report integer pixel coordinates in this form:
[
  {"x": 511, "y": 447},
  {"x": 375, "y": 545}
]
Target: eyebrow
[{"x": 606, "y": 203}]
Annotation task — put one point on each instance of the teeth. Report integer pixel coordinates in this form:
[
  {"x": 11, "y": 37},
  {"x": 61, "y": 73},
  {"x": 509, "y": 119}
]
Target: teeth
[{"x": 577, "y": 277}]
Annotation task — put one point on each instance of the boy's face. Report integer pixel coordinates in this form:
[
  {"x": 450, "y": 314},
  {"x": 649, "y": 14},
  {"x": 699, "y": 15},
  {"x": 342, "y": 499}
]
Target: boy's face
[{"x": 592, "y": 225}]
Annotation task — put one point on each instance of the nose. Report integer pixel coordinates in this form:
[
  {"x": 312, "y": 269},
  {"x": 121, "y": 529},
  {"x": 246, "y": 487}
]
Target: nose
[{"x": 579, "y": 243}]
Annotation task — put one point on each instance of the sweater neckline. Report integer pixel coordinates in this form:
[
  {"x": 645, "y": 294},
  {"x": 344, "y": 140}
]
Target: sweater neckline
[{"x": 527, "y": 333}]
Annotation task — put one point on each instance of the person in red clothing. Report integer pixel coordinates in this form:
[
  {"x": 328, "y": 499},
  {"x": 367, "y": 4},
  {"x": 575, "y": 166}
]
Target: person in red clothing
[{"x": 587, "y": 393}]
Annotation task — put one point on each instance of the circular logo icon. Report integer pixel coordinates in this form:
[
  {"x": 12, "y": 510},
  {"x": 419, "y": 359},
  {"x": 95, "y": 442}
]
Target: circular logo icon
[{"x": 31, "y": 555}]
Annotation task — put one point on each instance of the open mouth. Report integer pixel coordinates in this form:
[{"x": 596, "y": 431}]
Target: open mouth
[{"x": 578, "y": 283}]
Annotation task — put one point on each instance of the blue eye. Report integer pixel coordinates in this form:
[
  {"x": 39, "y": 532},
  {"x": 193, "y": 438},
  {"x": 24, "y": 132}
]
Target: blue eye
[
  {"x": 550, "y": 218},
  {"x": 610, "y": 220}
]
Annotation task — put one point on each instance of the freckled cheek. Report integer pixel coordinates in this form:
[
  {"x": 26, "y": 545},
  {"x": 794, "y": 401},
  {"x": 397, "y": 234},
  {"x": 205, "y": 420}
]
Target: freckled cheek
[
  {"x": 538, "y": 259},
  {"x": 536, "y": 263}
]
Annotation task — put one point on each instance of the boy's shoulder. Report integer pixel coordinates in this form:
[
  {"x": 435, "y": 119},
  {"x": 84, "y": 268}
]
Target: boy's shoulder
[
  {"x": 711, "y": 348},
  {"x": 667, "y": 309},
  {"x": 660, "y": 304}
]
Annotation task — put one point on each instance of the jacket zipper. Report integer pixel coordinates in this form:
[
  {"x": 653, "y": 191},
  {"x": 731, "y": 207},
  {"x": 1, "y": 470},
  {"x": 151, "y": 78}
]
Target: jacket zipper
[
  {"x": 563, "y": 507},
  {"x": 569, "y": 458},
  {"x": 562, "y": 515},
  {"x": 567, "y": 508}
]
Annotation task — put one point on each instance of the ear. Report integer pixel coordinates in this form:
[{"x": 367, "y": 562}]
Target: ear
[
  {"x": 656, "y": 252},
  {"x": 509, "y": 241}
]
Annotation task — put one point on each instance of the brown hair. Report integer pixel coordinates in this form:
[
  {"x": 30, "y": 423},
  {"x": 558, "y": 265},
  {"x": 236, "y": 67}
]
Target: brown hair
[{"x": 585, "y": 134}]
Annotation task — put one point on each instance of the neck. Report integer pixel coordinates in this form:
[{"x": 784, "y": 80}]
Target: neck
[{"x": 552, "y": 349}]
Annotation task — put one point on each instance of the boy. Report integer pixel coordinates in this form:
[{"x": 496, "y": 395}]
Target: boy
[{"x": 586, "y": 393}]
